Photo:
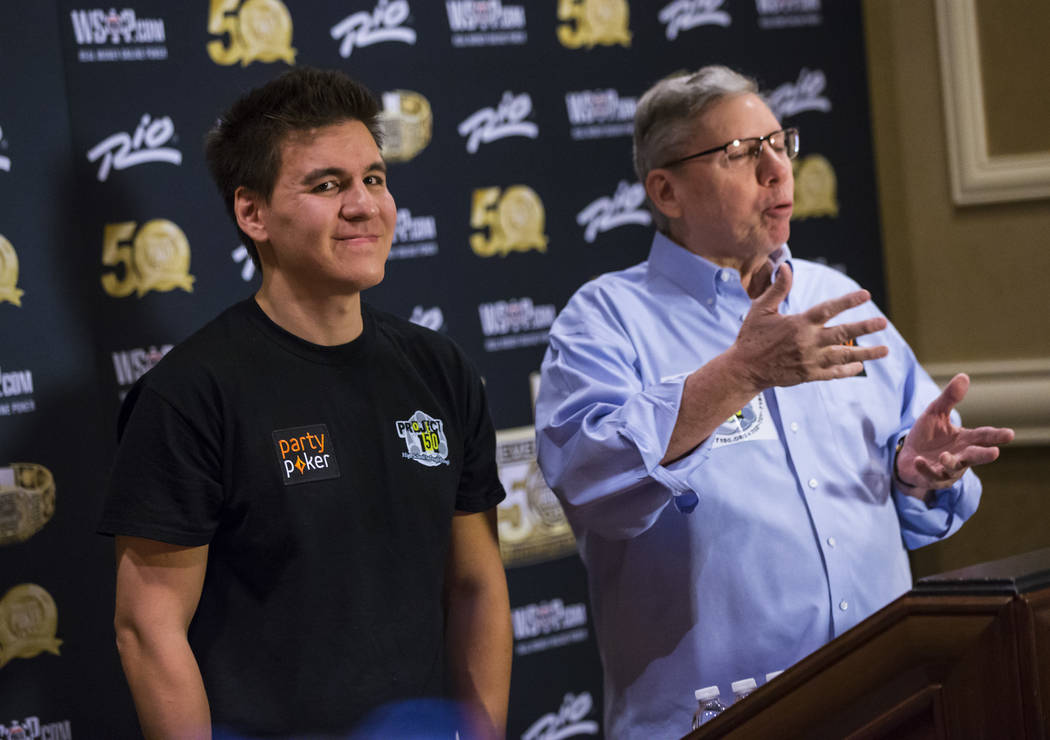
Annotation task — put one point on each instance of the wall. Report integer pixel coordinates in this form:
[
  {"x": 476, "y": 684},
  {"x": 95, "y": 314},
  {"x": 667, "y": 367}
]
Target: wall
[{"x": 967, "y": 283}]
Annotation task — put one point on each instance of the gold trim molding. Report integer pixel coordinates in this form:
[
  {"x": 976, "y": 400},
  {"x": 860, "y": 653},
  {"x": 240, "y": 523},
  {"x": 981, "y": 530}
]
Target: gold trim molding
[
  {"x": 1004, "y": 393},
  {"x": 976, "y": 176}
]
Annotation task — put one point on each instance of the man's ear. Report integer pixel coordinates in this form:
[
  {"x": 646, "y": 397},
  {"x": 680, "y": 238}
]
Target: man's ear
[
  {"x": 248, "y": 208},
  {"x": 662, "y": 192}
]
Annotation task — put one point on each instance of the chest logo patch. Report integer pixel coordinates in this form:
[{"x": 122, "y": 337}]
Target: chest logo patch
[
  {"x": 305, "y": 454},
  {"x": 424, "y": 439},
  {"x": 749, "y": 423}
]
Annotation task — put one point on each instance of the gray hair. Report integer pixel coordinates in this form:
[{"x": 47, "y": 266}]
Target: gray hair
[{"x": 665, "y": 113}]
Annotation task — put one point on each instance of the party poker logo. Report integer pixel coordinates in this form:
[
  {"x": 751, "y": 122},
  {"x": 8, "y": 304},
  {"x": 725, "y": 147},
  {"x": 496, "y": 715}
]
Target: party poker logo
[{"x": 305, "y": 454}]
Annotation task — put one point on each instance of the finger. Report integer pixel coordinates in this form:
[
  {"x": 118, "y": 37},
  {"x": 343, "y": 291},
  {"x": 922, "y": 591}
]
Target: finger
[
  {"x": 987, "y": 436},
  {"x": 933, "y": 475},
  {"x": 834, "y": 372},
  {"x": 841, "y": 355},
  {"x": 977, "y": 456},
  {"x": 844, "y": 333},
  {"x": 823, "y": 312},
  {"x": 952, "y": 394}
]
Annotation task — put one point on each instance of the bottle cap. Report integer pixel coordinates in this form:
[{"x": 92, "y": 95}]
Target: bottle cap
[
  {"x": 744, "y": 684},
  {"x": 773, "y": 674},
  {"x": 708, "y": 692}
]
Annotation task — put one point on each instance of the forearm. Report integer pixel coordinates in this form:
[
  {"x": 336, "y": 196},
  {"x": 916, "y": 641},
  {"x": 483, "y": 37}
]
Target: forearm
[
  {"x": 479, "y": 646},
  {"x": 711, "y": 394},
  {"x": 166, "y": 685}
]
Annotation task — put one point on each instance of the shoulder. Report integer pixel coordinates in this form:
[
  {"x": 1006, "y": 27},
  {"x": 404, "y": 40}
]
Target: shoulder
[
  {"x": 417, "y": 343},
  {"x": 814, "y": 282},
  {"x": 192, "y": 370},
  {"x": 599, "y": 302}
]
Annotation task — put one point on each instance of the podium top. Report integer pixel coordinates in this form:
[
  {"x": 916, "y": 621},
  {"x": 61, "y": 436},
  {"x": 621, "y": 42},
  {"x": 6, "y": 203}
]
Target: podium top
[{"x": 1014, "y": 575}]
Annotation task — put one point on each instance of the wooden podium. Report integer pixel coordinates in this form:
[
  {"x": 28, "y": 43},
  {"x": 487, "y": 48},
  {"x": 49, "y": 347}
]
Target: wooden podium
[{"x": 965, "y": 654}]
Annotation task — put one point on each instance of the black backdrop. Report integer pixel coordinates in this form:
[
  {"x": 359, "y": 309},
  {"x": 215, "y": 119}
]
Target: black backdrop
[{"x": 509, "y": 141}]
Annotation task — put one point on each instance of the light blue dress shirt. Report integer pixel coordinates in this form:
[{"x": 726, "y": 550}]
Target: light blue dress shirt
[{"x": 780, "y": 532}]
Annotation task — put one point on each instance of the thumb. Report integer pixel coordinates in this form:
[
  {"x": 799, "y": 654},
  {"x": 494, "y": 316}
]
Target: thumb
[
  {"x": 952, "y": 394},
  {"x": 775, "y": 294}
]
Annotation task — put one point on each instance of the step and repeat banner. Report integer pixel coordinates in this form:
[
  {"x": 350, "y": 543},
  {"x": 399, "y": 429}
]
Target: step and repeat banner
[{"x": 508, "y": 130}]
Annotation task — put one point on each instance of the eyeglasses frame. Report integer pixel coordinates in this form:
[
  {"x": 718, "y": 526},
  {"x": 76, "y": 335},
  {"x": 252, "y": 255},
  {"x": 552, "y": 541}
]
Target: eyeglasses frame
[{"x": 725, "y": 147}]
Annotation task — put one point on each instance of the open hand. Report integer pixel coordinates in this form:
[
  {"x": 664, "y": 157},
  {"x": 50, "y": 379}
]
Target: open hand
[
  {"x": 936, "y": 453},
  {"x": 777, "y": 350}
]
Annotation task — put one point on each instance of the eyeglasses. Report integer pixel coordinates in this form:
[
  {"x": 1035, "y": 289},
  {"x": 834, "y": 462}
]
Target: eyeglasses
[{"x": 738, "y": 151}]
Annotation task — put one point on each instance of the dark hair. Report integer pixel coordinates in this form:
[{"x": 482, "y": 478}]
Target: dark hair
[{"x": 244, "y": 147}]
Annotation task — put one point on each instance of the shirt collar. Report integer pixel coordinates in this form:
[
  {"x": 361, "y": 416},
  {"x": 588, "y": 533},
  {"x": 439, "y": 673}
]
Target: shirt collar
[{"x": 694, "y": 274}]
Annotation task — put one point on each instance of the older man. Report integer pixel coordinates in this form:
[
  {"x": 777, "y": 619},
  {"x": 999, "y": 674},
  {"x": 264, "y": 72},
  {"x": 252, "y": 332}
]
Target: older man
[{"x": 743, "y": 444}]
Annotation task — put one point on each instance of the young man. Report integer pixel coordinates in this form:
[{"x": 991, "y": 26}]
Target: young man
[
  {"x": 801, "y": 444},
  {"x": 304, "y": 493}
]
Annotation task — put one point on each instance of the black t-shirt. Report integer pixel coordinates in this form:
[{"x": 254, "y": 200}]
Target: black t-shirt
[{"x": 324, "y": 480}]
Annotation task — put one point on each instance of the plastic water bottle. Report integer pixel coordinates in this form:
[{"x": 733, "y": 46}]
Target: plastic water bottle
[
  {"x": 708, "y": 705},
  {"x": 742, "y": 688}
]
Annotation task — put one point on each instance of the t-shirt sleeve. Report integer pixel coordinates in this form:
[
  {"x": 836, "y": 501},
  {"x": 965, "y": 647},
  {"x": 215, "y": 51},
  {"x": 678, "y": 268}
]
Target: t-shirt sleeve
[
  {"x": 165, "y": 483},
  {"x": 479, "y": 486}
]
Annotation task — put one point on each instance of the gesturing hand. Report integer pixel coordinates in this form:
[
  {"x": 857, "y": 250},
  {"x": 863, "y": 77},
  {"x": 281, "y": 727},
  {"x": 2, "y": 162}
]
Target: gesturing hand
[
  {"x": 936, "y": 453},
  {"x": 777, "y": 350}
]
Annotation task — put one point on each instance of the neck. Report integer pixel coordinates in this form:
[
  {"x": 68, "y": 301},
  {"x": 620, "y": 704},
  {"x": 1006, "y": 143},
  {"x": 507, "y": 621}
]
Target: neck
[
  {"x": 755, "y": 269},
  {"x": 327, "y": 320}
]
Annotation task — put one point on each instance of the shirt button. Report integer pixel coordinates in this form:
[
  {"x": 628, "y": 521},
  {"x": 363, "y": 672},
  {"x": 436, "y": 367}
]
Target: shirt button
[
  {"x": 843, "y": 605},
  {"x": 723, "y": 276},
  {"x": 831, "y": 541},
  {"x": 794, "y": 426},
  {"x": 812, "y": 482}
]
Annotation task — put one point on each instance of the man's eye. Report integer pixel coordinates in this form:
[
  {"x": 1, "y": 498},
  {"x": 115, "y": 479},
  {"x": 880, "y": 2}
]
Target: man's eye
[
  {"x": 326, "y": 187},
  {"x": 737, "y": 153},
  {"x": 374, "y": 180}
]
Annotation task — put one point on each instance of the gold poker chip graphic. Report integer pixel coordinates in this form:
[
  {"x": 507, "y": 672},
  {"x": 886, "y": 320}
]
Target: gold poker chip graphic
[
  {"x": 815, "y": 187},
  {"x": 266, "y": 32},
  {"x": 28, "y": 623},
  {"x": 162, "y": 258},
  {"x": 27, "y": 501},
  {"x": 522, "y": 219},
  {"x": 9, "y": 274}
]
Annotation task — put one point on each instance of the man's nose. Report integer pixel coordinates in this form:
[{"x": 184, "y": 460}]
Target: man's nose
[
  {"x": 357, "y": 203},
  {"x": 772, "y": 166}
]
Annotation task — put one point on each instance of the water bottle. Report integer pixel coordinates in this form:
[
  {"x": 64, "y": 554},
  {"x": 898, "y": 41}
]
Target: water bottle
[
  {"x": 742, "y": 688},
  {"x": 708, "y": 705}
]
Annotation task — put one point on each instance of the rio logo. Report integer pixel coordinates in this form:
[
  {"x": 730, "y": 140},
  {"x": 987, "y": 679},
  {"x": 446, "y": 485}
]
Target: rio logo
[
  {"x": 382, "y": 24},
  {"x": 506, "y": 119},
  {"x": 122, "y": 150}
]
